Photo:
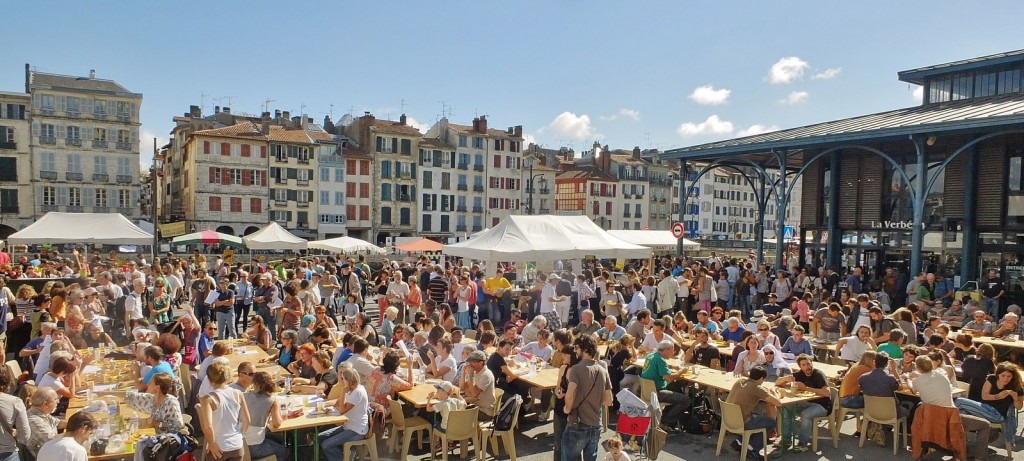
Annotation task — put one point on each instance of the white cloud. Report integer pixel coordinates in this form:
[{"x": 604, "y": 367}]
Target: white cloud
[
  {"x": 795, "y": 97},
  {"x": 632, "y": 114},
  {"x": 529, "y": 139},
  {"x": 787, "y": 69},
  {"x": 571, "y": 125},
  {"x": 712, "y": 126},
  {"x": 707, "y": 95},
  {"x": 831, "y": 72},
  {"x": 757, "y": 129},
  {"x": 422, "y": 127},
  {"x": 146, "y": 147},
  {"x": 919, "y": 94}
]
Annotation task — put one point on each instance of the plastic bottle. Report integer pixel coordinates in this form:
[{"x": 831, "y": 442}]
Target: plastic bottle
[{"x": 287, "y": 384}]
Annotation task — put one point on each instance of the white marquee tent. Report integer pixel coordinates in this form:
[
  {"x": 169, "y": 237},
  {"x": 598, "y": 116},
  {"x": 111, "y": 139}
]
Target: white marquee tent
[
  {"x": 274, "y": 237},
  {"x": 346, "y": 245},
  {"x": 85, "y": 228},
  {"x": 545, "y": 238},
  {"x": 658, "y": 240}
]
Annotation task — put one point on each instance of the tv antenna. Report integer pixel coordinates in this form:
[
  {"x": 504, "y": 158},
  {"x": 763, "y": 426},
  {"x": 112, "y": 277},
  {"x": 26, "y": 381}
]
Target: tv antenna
[
  {"x": 229, "y": 98},
  {"x": 266, "y": 104},
  {"x": 403, "y": 106}
]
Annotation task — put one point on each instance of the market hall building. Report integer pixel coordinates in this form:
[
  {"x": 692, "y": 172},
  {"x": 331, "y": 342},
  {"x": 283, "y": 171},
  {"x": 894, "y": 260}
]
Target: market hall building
[{"x": 935, "y": 187}]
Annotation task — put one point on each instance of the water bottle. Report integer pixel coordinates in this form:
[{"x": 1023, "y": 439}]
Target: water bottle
[
  {"x": 287, "y": 384},
  {"x": 111, "y": 419},
  {"x": 133, "y": 425}
]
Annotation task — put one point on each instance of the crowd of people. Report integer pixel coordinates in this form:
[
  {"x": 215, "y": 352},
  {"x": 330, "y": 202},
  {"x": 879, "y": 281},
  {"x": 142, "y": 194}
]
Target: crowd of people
[{"x": 310, "y": 315}]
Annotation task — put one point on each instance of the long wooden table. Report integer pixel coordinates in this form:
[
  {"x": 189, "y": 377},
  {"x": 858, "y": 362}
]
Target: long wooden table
[{"x": 999, "y": 342}]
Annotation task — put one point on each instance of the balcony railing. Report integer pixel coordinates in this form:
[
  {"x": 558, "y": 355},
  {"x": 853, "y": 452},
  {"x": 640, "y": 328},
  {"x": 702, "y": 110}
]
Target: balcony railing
[
  {"x": 461, "y": 208},
  {"x": 545, "y": 190},
  {"x": 625, "y": 215},
  {"x": 75, "y": 209},
  {"x": 303, "y": 204},
  {"x": 47, "y": 175},
  {"x": 302, "y": 182},
  {"x": 477, "y": 188},
  {"x": 125, "y": 210},
  {"x": 463, "y": 166},
  {"x": 478, "y": 209},
  {"x": 639, "y": 214},
  {"x": 124, "y": 118},
  {"x": 47, "y": 140},
  {"x": 49, "y": 207},
  {"x": 124, "y": 178},
  {"x": 73, "y": 142},
  {"x": 124, "y": 145},
  {"x": 529, "y": 190},
  {"x": 478, "y": 228},
  {"x": 73, "y": 176},
  {"x": 545, "y": 211},
  {"x": 8, "y": 145},
  {"x": 281, "y": 203},
  {"x": 99, "y": 115},
  {"x": 460, "y": 228},
  {"x": 303, "y": 160},
  {"x": 100, "y": 209},
  {"x": 73, "y": 114},
  {"x": 462, "y": 187},
  {"x": 100, "y": 177},
  {"x": 478, "y": 167},
  {"x": 99, "y": 143},
  {"x": 330, "y": 159}
]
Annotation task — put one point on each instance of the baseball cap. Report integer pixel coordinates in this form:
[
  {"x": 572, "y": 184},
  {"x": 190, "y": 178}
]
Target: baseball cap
[{"x": 477, "y": 356}]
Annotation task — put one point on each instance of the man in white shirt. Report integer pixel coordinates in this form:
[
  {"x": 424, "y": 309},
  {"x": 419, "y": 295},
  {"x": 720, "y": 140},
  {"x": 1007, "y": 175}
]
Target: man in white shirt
[
  {"x": 548, "y": 298},
  {"x": 133, "y": 304},
  {"x": 683, "y": 290},
  {"x": 667, "y": 290},
  {"x": 655, "y": 337},
  {"x": 104, "y": 280},
  {"x": 637, "y": 302},
  {"x": 397, "y": 293}
]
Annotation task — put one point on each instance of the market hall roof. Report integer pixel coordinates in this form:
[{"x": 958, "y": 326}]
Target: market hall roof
[
  {"x": 918, "y": 75},
  {"x": 969, "y": 114}
]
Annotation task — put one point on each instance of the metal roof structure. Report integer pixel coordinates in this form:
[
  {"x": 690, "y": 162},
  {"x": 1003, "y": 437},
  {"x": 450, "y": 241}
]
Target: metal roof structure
[
  {"x": 970, "y": 114},
  {"x": 918, "y": 75}
]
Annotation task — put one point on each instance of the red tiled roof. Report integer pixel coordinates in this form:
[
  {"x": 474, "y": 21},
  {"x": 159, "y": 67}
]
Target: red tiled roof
[
  {"x": 289, "y": 135},
  {"x": 586, "y": 172},
  {"x": 243, "y": 130},
  {"x": 431, "y": 142},
  {"x": 388, "y": 126}
]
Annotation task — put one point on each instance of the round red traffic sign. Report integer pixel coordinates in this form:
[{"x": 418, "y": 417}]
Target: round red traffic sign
[{"x": 677, "y": 230}]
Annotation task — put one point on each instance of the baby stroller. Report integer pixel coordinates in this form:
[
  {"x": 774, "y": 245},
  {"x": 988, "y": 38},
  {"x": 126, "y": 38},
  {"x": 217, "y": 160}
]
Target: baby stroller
[{"x": 639, "y": 436}]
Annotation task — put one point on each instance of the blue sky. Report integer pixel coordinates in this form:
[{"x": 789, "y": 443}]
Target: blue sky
[{"x": 641, "y": 73}]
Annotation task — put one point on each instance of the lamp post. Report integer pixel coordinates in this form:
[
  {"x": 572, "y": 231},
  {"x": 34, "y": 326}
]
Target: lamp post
[{"x": 543, "y": 182}]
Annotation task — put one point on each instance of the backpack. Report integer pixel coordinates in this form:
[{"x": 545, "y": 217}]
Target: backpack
[
  {"x": 507, "y": 413},
  {"x": 701, "y": 419},
  {"x": 117, "y": 310}
]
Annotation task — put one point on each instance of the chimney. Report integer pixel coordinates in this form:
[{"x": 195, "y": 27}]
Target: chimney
[
  {"x": 402, "y": 119},
  {"x": 28, "y": 78},
  {"x": 226, "y": 110},
  {"x": 483, "y": 124},
  {"x": 329, "y": 125},
  {"x": 265, "y": 116},
  {"x": 92, "y": 74},
  {"x": 636, "y": 153},
  {"x": 286, "y": 115},
  {"x": 509, "y": 131},
  {"x": 296, "y": 121},
  {"x": 195, "y": 111},
  {"x": 216, "y": 109},
  {"x": 265, "y": 128},
  {"x": 518, "y": 131},
  {"x": 277, "y": 114},
  {"x": 476, "y": 124}
]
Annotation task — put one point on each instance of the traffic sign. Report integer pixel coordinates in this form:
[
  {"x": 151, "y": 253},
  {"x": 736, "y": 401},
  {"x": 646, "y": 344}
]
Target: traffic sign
[
  {"x": 787, "y": 233},
  {"x": 677, "y": 230}
]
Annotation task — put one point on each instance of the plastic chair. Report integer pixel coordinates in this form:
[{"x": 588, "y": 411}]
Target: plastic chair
[
  {"x": 999, "y": 427},
  {"x": 370, "y": 442},
  {"x": 462, "y": 426},
  {"x": 14, "y": 367},
  {"x": 471, "y": 334},
  {"x": 407, "y": 426},
  {"x": 732, "y": 422},
  {"x": 858, "y": 415},
  {"x": 882, "y": 410},
  {"x": 831, "y": 419},
  {"x": 507, "y": 437},
  {"x": 647, "y": 387}
]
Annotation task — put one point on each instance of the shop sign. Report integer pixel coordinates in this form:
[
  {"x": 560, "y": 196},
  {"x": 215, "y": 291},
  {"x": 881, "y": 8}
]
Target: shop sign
[{"x": 894, "y": 225}]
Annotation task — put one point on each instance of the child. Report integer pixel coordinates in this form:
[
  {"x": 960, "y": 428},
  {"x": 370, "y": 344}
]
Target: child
[
  {"x": 615, "y": 450},
  {"x": 351, "y": 306},
  {"x": 448, "y": 399}
]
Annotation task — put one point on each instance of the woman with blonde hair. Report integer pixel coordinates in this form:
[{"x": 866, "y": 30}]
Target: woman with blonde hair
[
  {"x": 623, "y": 354},
  {"x": 259, "y": 333},
  {"x": 355, "y": 405},
  {"x": 224, "y": 416}
]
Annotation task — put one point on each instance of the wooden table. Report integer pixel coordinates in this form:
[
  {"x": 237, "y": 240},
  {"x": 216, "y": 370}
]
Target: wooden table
[
  {"x": 999, "y": 342},
  {"x": 724, "y": 349},
  {"x": 723, "y": 381},
  {"x": 417, "y": 396},
  {"x": 126, "y": 413},
  {"x": 305, "y": 421},
  {"x": 545, "y": 378}
]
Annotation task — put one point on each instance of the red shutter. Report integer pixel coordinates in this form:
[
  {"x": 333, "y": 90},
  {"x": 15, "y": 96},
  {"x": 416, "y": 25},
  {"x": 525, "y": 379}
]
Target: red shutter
[
  {"x": 206, "y": 147},
  {"x": 263, "y": 151},
  {"x": 364, "y": 168},
  {"x": 236, "y": 204},
  {"x": 256, "y": 205},
  {"x": 263, "y": 178},
  {"x": 246, "y": 177},
  {"x": 213, "y": 175},
  {"x": 364, "y": 212},
  {"x": 245, "y": 151},
  {"x": 214, "y": 203},
  {"x": 350, "y": 212},
  {"x": 225, "y": 148},
  {"x": 350, "y": 189},
  {"x": 225, "y": 175},
  {"x": 497, "y": 161}
]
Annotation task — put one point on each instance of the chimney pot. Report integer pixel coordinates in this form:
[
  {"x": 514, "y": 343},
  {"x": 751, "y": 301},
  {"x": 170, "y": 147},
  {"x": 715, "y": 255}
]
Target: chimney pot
[
  {"x": 287, "y": 115},
  {"x": 92, "y": 73},
  {"x": 265, "y": 128},
  {"x": 483, "y": 124},
  {"x": 402, "y": 119},
  {"x": 277, "y": 113},
  {"x": 366, "y": 112},
  {"x": 216, "y": 109},
  {"x": 226, "y": 110},
  {"x": 518, "y": 132}
]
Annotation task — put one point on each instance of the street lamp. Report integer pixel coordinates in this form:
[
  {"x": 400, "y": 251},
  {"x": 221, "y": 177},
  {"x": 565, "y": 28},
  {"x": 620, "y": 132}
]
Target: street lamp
[{"x": 543, "y": 184}]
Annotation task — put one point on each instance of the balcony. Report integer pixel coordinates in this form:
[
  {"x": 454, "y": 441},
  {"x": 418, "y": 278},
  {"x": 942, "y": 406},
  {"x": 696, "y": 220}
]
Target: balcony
[
  {"x": 545, "y": 211},
  {"x": 124, "y": 145},
  {"x": 9, "y": 209},
  {"x": 99, "y": 144},
  {"x": 100, "y": 177},
  {"x": 99, "y": 115},
  {"x": 478, "y": 167},
  {"x": 639, "y": 214},
  {"x": 47, "y": 175},
  {"x": 74, "y": 209},
  {"x": 545, "y": 190},
  {"x": 403, "y": 197},
  {"x": 461, "y": 208},
  {"x": 49, "y": 207},
  {"x": 529, "y": 190},
  {"x": 73, "y": 142},
  {"x": 126, "y": 211},
  {"x": 303, "y": 204},
  {"x": 123, "y": 118},
  {"x": 460, "y": 228},
  {"x": 463, "y": 166},
  {"x": 625, "y": 214},
  {"x": 73, "y": 114},
  {"x": 478, "y": 228},
  {"x": 405, "y": 175},
  {"x": 462, "y": 187},
  {"x": 303, "y": 160},
  {"x": 47, "y": 140},
  {"x": 302, "y": 182},
  {"x": 330, "y": 159},
  {"x": 627, "y": 195},
  {"x": 100, "y": 209},
  {"x": 73, "y": 176},
  {"x": 8, "y": 145},
  {"x": 478, "y": 209},
  {"x": 662, "y": 199},
  {"x": 124, "y": 178},
  {"x": 46, "y": 111},
  {"x": 478, "y": 188}
]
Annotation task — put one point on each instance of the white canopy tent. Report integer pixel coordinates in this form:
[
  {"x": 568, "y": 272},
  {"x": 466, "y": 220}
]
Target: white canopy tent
[
  {"x": 346, "y": 245},
  {"x": 274, "y": 237},
  {"x": 660, "y": 241},
  {"x": 545, "y": 238},
  {"x": 85, "y": 228}
]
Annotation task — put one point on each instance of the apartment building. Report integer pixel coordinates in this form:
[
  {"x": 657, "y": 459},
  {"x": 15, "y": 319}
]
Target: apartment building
[
  {"x": 84, "y": 144},
  {"x": 293, "y": 164},
  {"x": 587, "y": 188},
  {"x": 728, "y": 207},
  {"x": 392, "y": 145},
  {"x": 331, "y": 207},
  {"x": 443, "y": 191},
  {"x": 360, "y": 173},
  {"x": 538, "y": 197},
  {"x": 16, "y": 210}
]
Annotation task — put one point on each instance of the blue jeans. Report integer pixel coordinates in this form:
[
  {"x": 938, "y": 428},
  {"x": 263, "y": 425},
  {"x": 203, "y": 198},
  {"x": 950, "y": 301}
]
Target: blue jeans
[
  {"x": 807, "y": 412},
  {"x": 226, "y": 325},
  {"x": 732, "y": 294},
  {"x": 267, "y": 448},
  {"x": 853, "y": 401},
  {"x": 9, "y": 456},
  {"x": 580, "y": 439},
  {"x": 991, "y": 307},
  {"x": 269, "y": 320},
  {"x": 331, "y": 441},
  {"x": 462, "y": 320},
  {"x": 758, "y": 422},
  {"x": 559, "y": 431},
  {"x": 990, "y": 414}
]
